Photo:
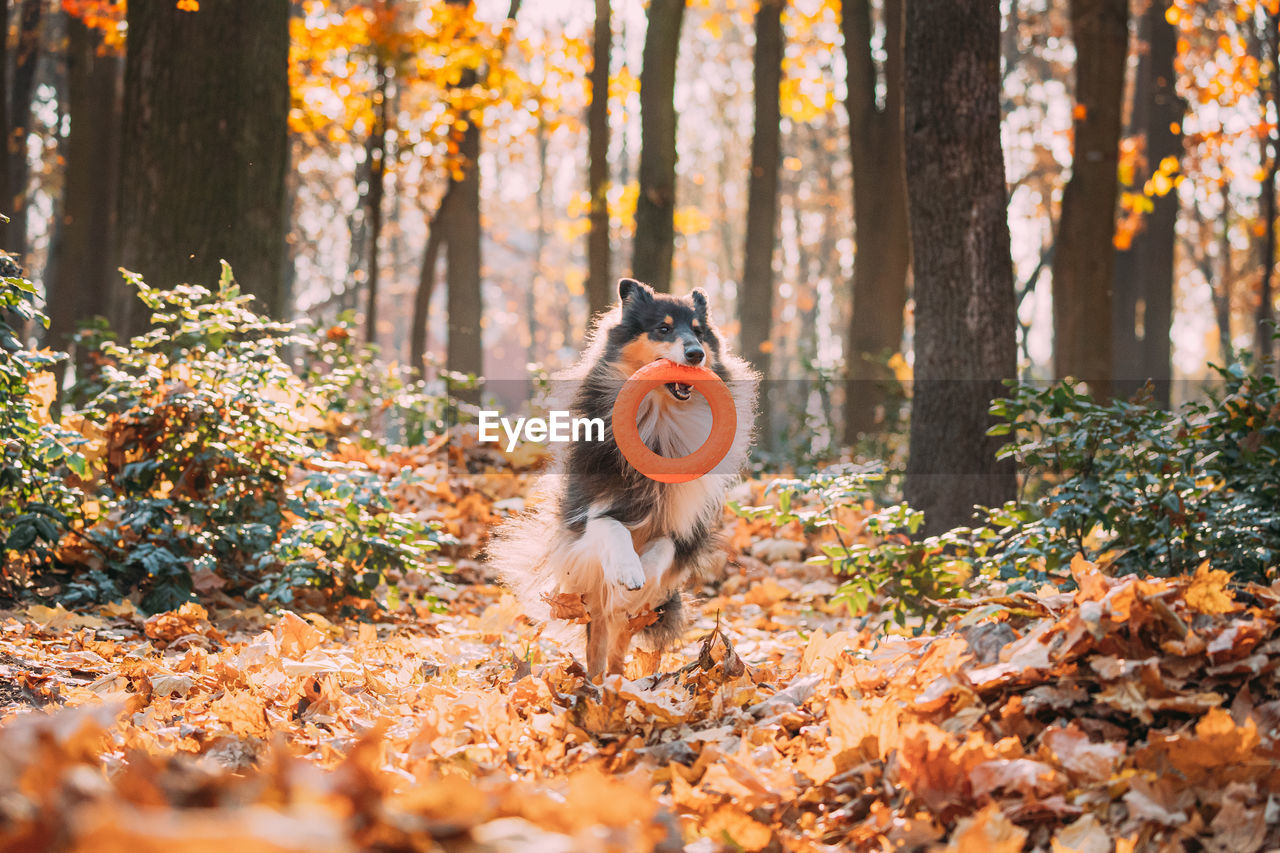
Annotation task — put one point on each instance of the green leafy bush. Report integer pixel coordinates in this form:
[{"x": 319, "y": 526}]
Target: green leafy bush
[
  {"x": 1124, "y": 483},
  {"x": 901, "y": 576},
  {"x": 41, "y": 462},
  {"x": 374, "y": 402},
  {"x": 203, "y": 467},
  {"x": 1150, "y": 490}
]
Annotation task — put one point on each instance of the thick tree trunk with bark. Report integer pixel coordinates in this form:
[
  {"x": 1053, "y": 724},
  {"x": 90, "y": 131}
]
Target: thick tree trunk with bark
[
  {"x": 880, "y": 215},
  {"x": 963, "y": 274},
  {"x": 25, "y": 60},
  {"x": 86, "y": 282},
  {"x": 1144, "y": 272},
  {"x": 1263, "y": 326},
  {"x": 599, "y": 292},
  {"x": 1084, "y": 259},
  {"x": 205, "y": 145},
  {"x": 6, "y": 180},
  {"x": 755, "y": 300},
  {"x": 656, "y": 206}
]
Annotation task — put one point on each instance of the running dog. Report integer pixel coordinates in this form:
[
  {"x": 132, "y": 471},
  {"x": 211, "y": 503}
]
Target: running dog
[{"x": 601, "y": 530}]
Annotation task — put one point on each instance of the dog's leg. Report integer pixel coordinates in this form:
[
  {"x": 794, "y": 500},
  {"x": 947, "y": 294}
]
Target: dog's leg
[
  {"x": 619, "y": 642},
  {"x": 597, "y": 645},
  {"x": 618, "y": 559},
  {"x": 656, "y": 559}
]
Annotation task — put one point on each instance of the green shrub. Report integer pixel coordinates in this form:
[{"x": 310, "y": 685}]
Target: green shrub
[
  {"x": 374, "y": 402},
  {"x": 40, "y": 460},
  {"x": 1150, "y": 490},
  {"x": 1125, "y": 483},
  {"x": 204, "y": 462},
  {"x": 904, "y": 577}
]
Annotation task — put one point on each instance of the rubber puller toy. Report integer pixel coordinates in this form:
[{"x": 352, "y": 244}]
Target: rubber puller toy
[{"x": 682, "y": 469}]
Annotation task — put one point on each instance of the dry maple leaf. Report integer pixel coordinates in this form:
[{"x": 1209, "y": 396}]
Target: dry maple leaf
[
  {"x": 734, "y": 825},
  {"x": 569, "y": 606},
  {"x": 988, "y": 831},
  {"x": 642, "y": 620},
  {"x": 1208, "y": 591},
  {"x": 190, "y": 618}
]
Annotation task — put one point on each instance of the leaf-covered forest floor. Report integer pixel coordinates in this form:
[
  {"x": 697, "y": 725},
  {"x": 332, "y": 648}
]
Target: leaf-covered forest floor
[{"x": 1127, "y": 714}]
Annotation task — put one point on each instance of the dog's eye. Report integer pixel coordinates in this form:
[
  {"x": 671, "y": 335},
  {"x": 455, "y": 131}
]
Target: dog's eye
[{"x": 664, "y": 329}]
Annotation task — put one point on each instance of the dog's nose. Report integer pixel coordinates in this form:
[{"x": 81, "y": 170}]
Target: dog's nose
[{"x": 694, "y": 355}]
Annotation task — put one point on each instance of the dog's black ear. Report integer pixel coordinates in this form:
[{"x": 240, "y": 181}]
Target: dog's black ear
[
  {"x": 699, "y": 297},
  {"x": 629, "y": 288}
]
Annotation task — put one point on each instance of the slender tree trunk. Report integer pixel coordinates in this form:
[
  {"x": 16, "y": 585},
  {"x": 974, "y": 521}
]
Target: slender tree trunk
[
  {"x": 25, "y": 62},
  {"x": 539, "y": 284},
  {"x": 1222, "y": 291},
  {"x": 464, "y": 352},
  {"x": 599, "y": 294},
  {"x": 85, "y": 280},
  {"x": 964, "y": 333},
  {"x": 1085, "y": 255},
  {"x": 426, "y": 286},
  {"x": 205, "y": 145},
  {"x": 880, "y": 215},
  {"x": 458, "y": 224},
  {"x": 376, "y": 154},
  {"x": 656, "y": 206},
  {"x": 755, "y": 302},
  {"x": 1144, "y": 272},
  {"x": 1271, "y": 162}
]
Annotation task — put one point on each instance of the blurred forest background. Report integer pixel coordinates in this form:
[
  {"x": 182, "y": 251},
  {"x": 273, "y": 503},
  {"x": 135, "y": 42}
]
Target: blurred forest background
[{"x": 447, "y": 176}]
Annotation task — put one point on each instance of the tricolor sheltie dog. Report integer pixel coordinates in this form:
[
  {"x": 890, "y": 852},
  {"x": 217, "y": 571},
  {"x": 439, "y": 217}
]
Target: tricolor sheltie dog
[{"x": 599, "y": 529}]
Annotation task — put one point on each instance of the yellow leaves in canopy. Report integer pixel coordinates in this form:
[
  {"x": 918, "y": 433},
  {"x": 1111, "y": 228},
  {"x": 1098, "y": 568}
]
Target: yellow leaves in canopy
[
  {"x": 624, "y": 83},
  {"x": 691, "y": 220},
  {"x": 105, "y": 16},
  {"x": 1165, "y": 178},
  {"x": 1136, "y": 202},
  {"x": 422, "y": 50},
  {"x": 800, "y": 103}
]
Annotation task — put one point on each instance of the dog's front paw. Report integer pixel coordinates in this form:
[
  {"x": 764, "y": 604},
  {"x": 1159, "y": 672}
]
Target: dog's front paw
[{"x": 624, "y": 569}]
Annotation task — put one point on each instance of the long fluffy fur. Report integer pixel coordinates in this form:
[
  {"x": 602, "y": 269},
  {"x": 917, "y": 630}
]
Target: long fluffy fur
[{"x": 573, "y": 538}]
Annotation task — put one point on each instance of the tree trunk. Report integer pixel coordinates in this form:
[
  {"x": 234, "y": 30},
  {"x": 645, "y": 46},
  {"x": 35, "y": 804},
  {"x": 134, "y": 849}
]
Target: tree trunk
[
  {"x": 656, "y": 205},
  {"x": 457, "y": 223},
  {"x": 205, "y": 145},
  {"x": 755, "y": 301},
  {"x": 1144, "y": 273},
  {"x": 1263, "y": 329},
  {"x": 1084, "y": 258},
  {"x": 538, "y": 286},
  {"x": 426, "y": 286},
  {"x": 1222, "y": 291},
  {"x": 464, "y": 353},
  {"x": 376, "y": 153},
  {"x": 25, "y": 61},
  {"x": 85, "y": 282},
  {"x": 964, "y": 333},
  {"x": 599, "y": 293},
  {"x": 6, "y": 180},
  {"x": 880, "y": 216}
]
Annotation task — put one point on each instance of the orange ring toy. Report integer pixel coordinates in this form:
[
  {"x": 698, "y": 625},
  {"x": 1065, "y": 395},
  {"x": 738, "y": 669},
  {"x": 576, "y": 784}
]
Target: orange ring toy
[{"x": 682, "y": 469}]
